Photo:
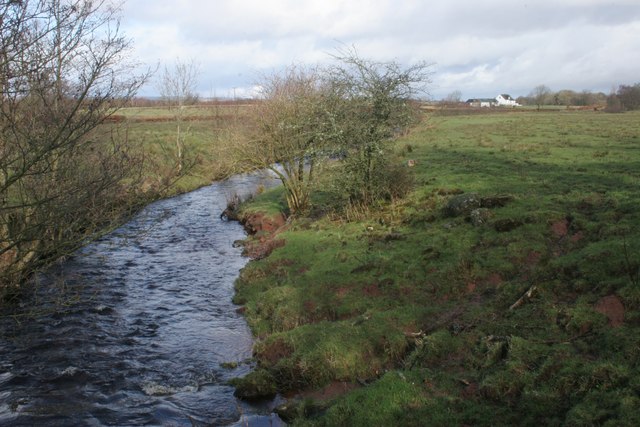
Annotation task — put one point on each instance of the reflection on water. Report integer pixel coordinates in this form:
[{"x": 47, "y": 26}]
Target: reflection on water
[{"x": 143, "y": 340}]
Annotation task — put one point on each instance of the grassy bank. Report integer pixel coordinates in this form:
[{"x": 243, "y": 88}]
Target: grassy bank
[{"x": 524, "y": 312}]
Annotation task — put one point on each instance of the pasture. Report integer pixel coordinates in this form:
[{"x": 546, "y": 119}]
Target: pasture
[{"x": 526, "y": 313}]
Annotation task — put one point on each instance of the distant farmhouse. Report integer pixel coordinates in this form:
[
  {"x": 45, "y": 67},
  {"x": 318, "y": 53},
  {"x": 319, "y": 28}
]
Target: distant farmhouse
[
  {"x": 482, "y": 102},
  {"x": 502, "y": 100},
  {"x": 506, "y": 101}
]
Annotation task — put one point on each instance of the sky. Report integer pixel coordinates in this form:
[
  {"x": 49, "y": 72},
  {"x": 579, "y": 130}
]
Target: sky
[{"x": 481, "y": 48}]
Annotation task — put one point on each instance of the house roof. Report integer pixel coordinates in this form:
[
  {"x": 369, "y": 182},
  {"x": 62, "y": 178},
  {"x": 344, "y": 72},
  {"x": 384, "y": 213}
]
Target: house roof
[
  {"x": 507, "y": 97},
  {"x": 481, "y": 100}
]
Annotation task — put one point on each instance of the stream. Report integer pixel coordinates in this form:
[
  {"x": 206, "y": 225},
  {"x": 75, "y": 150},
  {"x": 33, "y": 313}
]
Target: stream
[{"x": 134, "y": 329}]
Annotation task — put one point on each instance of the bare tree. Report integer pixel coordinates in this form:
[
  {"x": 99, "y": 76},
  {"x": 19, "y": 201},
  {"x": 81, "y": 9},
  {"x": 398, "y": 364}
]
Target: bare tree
[
  {"x": 539, "y": 94},
  {"x": 62, "y": 74},
  {"x": 379, "y": 105},
  {"x": 292, "y": 130},
  {"x": 178, "y": 89},
  {"x": 629, "y": 96},
  {"x": 453, "y": 98},
  {"x": 348, "y": 110}
]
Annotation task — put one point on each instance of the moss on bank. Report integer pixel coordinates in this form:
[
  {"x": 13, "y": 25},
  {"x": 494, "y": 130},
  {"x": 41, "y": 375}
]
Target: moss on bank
[{"x": 530, "y": 316}]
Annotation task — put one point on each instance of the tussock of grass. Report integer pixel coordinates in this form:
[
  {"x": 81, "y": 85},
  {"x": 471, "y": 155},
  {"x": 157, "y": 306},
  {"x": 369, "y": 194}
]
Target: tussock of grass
[
  {"x": 420, "y": 305},
  {"x": 269, "y": 202}
]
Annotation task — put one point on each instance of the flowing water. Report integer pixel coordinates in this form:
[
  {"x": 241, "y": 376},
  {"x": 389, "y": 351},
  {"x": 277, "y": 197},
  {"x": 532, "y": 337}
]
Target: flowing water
[{"x": 134, "y": 328}]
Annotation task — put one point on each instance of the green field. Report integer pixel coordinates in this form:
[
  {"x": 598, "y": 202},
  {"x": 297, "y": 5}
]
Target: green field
[
  {"x": 207, "y": 131},
  {"x": 528, "y": 314}
]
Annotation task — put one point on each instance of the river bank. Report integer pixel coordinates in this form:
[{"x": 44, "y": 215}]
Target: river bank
[{"x": 503, "y": 290}]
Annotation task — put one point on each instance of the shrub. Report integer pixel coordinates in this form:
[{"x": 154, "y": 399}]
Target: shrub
[{"x": 388, "y": 180}]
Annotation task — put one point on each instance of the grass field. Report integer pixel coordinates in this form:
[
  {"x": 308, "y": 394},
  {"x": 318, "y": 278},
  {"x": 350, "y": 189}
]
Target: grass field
[
  {"x": 525, "y": 312},
  {"x": 206, "y": 131}
]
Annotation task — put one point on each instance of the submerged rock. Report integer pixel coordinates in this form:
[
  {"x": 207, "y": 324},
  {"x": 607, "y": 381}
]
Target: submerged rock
[
  {"x": 259, "y": 384},
  {"x": 289, "y": 411},
  {"x": 298, "y": 408}
]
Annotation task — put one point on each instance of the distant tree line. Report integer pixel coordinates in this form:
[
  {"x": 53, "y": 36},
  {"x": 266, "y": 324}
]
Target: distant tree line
[
  {"x": 626, "y": 98},
  {"x": 542, "y": 95}
]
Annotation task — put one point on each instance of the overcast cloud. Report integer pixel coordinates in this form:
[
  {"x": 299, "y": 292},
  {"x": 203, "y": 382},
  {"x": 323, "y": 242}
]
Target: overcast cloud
[{"x": 479, "y": 47}]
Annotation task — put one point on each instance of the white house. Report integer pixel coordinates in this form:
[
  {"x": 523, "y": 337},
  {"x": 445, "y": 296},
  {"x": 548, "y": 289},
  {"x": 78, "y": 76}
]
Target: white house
[
  {"x": 505, "y": 100},
  {"x": 482, "y": 102},
  {"x": 502, "y": 100}
]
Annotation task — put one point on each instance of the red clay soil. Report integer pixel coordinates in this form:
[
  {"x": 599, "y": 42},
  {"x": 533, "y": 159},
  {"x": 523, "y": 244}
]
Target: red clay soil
[
  {"x": 329, "y": 392},
  {"x": 371, "y": 290},
  {"x": 342, "y": 292},
  {"x": 309, "y": 306},
  {"x": 577, "y": 237},
  {"x": 274, "y": 351},
  {"x": 262, "y": 248},
  {"x": 259, "y": 222},
  {"x": 471, "y": 391},
  {"x": 533, "y": 258},
  {"x": 560, "y": 228},
  {"x": 494, "y": 279},
  {"x": 267, "y": 228},
  {"x": 612, "y": 307}
]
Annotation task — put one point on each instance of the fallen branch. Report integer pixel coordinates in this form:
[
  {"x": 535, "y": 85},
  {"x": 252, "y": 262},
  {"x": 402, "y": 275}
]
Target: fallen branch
[{"x": 524, "y": 298}]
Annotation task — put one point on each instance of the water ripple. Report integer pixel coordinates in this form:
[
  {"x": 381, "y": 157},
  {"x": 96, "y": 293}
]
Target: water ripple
[{"x": 132, "y": 330}]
